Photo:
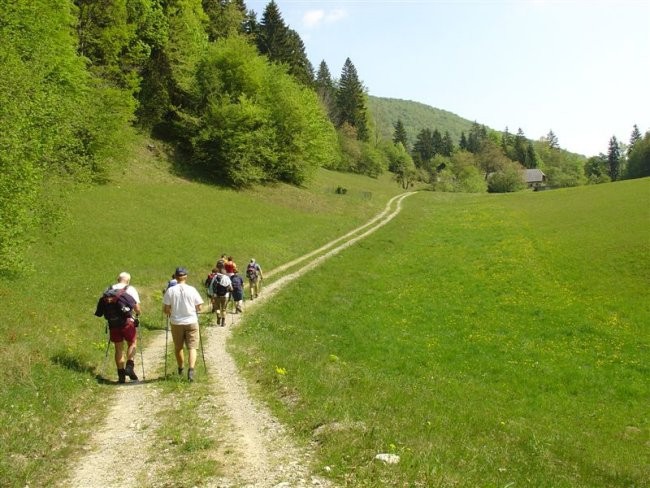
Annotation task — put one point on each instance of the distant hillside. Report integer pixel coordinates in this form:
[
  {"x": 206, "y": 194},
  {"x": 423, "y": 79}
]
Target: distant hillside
[{"x": 415, "y": 116}]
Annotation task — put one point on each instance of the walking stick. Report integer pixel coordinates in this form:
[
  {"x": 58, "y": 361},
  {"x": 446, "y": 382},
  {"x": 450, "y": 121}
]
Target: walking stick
[
  {"x": 141, "y": 353},
  {"x": 166, "y": 342},
  {"x": 205, "y": 368},
  {"x": 108, "y": 344}
]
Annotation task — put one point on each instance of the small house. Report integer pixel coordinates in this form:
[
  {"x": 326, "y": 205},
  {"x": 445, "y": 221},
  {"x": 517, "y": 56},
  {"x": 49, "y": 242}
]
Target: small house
[{"x": 534, "y": 178}]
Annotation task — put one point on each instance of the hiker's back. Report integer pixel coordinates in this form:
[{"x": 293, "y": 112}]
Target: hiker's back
[{"x": 116, "y": 306}]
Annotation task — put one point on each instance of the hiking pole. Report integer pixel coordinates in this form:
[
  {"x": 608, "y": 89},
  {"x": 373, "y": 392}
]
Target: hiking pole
[
  {"x": 198, "y": 320},
  {"x": 141, "y": 353},
  {"x": 108, "y": 345},
  {"x": 166, "y": 342}
]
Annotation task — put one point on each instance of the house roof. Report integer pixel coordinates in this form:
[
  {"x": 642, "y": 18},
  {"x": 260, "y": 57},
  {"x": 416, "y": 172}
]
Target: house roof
[{"x": 533, "y": 175}]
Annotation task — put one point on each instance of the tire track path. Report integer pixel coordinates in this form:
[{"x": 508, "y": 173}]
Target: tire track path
[{"x": 122, "y": 450}]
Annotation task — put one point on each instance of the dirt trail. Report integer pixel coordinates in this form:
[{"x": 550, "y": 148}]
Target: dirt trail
[{"x": 266, "y": 456}]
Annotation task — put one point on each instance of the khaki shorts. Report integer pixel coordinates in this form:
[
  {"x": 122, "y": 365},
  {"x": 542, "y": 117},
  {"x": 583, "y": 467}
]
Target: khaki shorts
[{"x": 186, "y": 334}]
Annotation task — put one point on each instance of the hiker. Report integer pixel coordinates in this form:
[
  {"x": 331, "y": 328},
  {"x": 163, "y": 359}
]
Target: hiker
[
  {"x": 170, "y": 283},
  {"x": 220, "y": 287},
  {"x": 230, "y": 266},
  {"x": 237, "y": 283},
  {"x": 255, "y": 277},
  {"x": 119, "y": 303},
  {"x": 182, "y": 304},
  {"x": 208, "y": 286}
]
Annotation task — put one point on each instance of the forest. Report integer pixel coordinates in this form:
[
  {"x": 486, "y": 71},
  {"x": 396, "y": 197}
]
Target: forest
[{"x": 235, "y": 97}]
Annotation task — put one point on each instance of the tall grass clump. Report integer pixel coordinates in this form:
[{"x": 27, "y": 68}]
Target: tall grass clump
[{"x": 486, "y": 340}]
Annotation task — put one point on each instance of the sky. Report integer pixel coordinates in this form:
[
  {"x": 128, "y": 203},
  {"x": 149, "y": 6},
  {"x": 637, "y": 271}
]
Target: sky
[{"x": 580, "y": 68}]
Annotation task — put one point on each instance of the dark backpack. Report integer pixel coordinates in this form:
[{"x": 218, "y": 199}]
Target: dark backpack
[
  {"x": 217, "y": 288},
  {"x": 116, "y": 306},
  {"x": 251, "y": 271},
  {"x": 237, "y": 283}
]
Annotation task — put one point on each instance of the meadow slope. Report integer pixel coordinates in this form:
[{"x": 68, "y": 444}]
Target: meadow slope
[{"x": 488, "y": 340}]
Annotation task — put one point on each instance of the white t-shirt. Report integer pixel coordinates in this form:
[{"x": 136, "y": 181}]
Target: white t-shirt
[
  {"x": 183, "y": 299},
  {"x": 130, "y": 291}
]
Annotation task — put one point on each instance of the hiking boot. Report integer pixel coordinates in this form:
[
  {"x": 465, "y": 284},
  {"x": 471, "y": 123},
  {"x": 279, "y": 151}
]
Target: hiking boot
[
  {"x": 190, "y": 374},
  {"x": 129, "y": 370},
  {"x": 180, "y": 371},
  {"x": 223, "y": 322},
  {"x": 121, "y": 375}
]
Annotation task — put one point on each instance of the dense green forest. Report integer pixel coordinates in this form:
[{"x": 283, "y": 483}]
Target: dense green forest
[{"x": 237, "y": 101}]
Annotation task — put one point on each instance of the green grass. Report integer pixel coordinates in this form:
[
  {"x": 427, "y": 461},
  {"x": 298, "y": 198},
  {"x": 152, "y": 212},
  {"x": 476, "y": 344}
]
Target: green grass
[
  {"x": 146, "y": 222},
  {"x": 488, "y": 340}
]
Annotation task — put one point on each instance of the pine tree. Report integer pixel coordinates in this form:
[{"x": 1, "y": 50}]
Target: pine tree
[
  {"x": 552, "y": 141},
  {"x": 326, "y": 90},
  {"x": 614, "y": 159},
  {"x": 351, "y": 101},
  {"x": 424, "y": 148},
  {"x": 283, "y": 45},
  {"x": 399, "y": 136},
  {"x": 634, "y": 138},
  {"x": 531, "y": 156},
  {"x": 519, "y": 147},
  {"x": 447, "y": 145},
  {"x": 462, "y": 143},
  {"x": 477, "y": 134}
]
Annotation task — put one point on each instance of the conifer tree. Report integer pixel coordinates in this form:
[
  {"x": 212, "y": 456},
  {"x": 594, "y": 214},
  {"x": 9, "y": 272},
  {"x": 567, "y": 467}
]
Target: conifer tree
[
  {"x": 613, "y": 159},
  {"x": 283, "y": 45},
  {"x": 531, "y": 156},
  {"x": 477, "y": 134},
  {"x": 552, "y": 141},
  {"x": 436, "y": 138},
  {"x": 634, "y": 138},
  {"x": 462, "y": 143},
  {"x": 447, "y": 145},
  {"x": 326, "y": 90},
  {"x": 351, "y": 101},
  {"x": 506, "y": 141},
  {"x": 399, "y": 135},
  {"x": 519, "y": 146},
  {"x": 424, "y": 149}
]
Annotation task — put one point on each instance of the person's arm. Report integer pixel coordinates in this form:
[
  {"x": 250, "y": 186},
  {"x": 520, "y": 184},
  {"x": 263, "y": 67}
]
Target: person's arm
[
  {"x": 168, "y": 310},
  {"x": 137, "y": 309}
]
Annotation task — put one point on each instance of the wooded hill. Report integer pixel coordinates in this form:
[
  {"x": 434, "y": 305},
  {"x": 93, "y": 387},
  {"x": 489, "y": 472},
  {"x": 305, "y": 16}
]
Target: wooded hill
[{"x": 415, "y": 116}]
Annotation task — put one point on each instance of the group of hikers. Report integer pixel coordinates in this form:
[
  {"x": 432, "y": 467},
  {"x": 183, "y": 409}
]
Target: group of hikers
[{"x": 120, "y": 306}]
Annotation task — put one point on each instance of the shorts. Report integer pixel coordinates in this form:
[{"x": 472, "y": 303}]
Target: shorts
[
  {"x": 187, "y": 334},
  {"x": 127, "y": 333}
]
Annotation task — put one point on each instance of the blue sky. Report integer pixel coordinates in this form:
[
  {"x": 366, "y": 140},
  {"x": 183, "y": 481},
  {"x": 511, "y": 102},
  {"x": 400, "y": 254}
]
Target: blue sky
[{"x": 578, "y": 67}]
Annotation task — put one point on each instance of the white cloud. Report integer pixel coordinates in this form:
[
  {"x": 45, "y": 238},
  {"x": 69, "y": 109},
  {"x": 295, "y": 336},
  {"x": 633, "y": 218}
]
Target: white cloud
[{"x": 314, "y": 18}]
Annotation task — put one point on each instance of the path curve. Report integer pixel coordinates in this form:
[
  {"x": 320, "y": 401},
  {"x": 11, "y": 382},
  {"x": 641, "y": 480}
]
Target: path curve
[{"x": 266, "y": 454}]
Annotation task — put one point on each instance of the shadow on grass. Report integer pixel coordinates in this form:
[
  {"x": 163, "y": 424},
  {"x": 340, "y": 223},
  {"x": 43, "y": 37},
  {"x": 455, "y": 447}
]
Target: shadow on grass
[{"x": 72, "y": 363}]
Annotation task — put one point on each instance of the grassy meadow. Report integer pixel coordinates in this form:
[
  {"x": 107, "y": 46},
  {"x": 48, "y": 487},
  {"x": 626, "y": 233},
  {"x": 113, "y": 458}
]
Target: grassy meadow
[
  {"x": 488, "y": 340},
  {"x": 146, "y": 222}
]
